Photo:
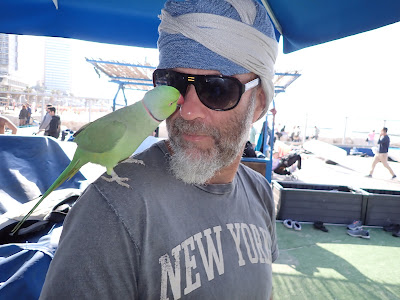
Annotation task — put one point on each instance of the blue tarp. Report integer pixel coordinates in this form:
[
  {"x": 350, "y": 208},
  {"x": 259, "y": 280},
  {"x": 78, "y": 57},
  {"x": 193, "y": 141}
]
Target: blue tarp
[
  {"x": 29, "y": 165},
  {"x": 23, "y": 266},
  {"x": 303, "y": 23}
]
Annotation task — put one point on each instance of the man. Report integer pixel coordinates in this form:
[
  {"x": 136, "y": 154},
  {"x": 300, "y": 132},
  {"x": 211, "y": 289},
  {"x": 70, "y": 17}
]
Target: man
[
  {"x": 195, "y": 223},
  {"x": 382, "y": 155},
  {"x": 44, "y": 125},
  {"x": 55, "y": 124},
  {"x": 316, "y": 133},
  {"x": 5, "y": 122}
]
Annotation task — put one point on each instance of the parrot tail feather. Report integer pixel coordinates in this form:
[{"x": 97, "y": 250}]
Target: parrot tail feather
[{"x": 68, "y": 173}]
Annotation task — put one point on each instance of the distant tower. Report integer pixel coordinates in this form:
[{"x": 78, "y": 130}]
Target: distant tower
[
  {"x": 58, "y": 64},
  {"x": 8, "y": 54}
]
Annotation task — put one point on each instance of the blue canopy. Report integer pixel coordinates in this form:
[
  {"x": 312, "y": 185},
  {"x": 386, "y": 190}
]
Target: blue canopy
[{"x": 303, "y": 23}]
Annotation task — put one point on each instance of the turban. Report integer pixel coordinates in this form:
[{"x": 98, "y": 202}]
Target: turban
[{"x": 230, "y": 36}]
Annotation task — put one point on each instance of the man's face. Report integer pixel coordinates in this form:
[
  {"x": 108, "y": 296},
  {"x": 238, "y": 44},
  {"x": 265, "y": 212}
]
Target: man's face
[{"x": 204, "y": 141}]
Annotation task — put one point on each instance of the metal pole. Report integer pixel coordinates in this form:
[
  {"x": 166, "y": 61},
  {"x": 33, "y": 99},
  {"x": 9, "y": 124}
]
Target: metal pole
[
  {"x": 90, "y": 110},
  {"x": 305, "y": 129},
  {"x": 344, "y": 133},
  {"x": 42, "y": 114},
  {"x": 268, "y": 163},
  {"x": 115, "y": 98}
]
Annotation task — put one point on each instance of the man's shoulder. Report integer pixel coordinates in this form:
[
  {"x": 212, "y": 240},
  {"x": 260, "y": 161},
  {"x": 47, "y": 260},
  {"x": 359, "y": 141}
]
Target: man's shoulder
[
  {"x": 152, "y": 165},
  {"x": 251, "y": 174}
]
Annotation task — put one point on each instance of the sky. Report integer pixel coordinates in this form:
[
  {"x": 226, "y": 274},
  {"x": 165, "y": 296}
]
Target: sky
[{"x": 355, "y": 78}]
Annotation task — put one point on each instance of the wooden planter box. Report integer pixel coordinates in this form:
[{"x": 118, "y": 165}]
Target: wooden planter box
[
  {"x": 383, "y": 207},
  {"x": 317, "y": 202}
]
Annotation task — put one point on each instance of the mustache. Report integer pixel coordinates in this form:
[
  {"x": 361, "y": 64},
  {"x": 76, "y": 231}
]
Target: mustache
[{"x": 182, "y": 126}]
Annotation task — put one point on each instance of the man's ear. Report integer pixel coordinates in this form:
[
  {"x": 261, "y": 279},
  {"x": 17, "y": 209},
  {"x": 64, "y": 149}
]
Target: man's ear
[{"x": 261, "y": 101}]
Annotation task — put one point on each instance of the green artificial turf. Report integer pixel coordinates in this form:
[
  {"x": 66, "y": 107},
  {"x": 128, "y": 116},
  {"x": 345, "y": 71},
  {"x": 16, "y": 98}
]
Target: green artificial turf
[{"x": 333, "y": 265}]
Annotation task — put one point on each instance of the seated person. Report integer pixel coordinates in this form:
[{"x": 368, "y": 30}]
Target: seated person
[
  {"x": 5, "y": 122},
  {"x": 285, "y": 165},
  {"x": 249, "y": 150}
]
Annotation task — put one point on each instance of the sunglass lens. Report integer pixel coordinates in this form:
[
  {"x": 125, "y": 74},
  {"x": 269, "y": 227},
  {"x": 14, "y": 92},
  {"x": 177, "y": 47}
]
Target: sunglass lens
[
  {"x": 218, "y": 93},
  {"x": 170, "y": 78}
]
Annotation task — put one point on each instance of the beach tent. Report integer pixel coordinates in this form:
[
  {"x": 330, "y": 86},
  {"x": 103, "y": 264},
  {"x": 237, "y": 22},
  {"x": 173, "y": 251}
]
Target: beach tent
[{"x": 302, "y": 23}]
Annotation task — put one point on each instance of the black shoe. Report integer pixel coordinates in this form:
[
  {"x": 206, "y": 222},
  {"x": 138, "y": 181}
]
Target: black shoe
[
  {"x": 320, "y": 226},
  {"x": 392, "y": 227},
  {"x": 397, "y": 233}
]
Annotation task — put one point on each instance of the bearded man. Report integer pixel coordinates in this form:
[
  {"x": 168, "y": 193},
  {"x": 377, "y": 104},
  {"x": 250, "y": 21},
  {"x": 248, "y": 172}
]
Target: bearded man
[{"x": 196, "y": 224}]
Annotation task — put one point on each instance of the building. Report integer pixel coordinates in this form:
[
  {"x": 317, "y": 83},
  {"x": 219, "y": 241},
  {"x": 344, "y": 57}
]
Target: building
[
  {"x": 58, "y": 64},
  {"x": 8, "y": 54},
  {"x": 9, "y": 80}
]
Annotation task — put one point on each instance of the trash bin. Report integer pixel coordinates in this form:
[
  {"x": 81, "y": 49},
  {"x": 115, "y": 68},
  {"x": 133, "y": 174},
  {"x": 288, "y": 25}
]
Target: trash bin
[
  {"x": 318, "y": 202},
  {"x": 383, "y": 207}
]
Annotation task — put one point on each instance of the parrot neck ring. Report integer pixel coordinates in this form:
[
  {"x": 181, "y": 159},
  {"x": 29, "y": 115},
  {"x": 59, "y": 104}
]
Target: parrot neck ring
[{"x": 150, "y": 114}]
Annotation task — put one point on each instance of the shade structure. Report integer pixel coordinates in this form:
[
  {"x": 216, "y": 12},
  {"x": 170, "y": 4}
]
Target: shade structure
[{"x": 303, "y": 23}]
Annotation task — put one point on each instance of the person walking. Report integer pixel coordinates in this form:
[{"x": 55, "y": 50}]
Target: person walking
[
  {"x": 382, "y": 154},
  {"x": 316, "y": 133}
]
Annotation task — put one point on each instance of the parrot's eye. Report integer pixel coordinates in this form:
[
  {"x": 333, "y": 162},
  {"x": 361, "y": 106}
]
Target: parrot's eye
[{"x": 217, "y": 92}]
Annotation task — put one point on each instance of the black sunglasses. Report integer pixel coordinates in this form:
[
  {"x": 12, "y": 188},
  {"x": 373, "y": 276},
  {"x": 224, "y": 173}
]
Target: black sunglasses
[{"x": 217, "y": 92}]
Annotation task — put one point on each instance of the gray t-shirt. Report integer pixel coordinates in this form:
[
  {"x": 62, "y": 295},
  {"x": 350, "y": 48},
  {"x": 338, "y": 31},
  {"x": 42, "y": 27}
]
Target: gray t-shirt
[{"x": 164, "y": 239}]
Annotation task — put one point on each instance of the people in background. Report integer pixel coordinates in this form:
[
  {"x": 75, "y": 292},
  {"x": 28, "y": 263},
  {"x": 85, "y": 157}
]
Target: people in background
[
  {"x": 54, "y": 125},
  {"x": 252, "y": 136},
  {"x": 371, "y": 138},
  {"x": 23, "y": 114},
  {"x": 382, "y": 154},
  {"x": 287, "y": 164},
  {"x": 44, "y": 125},
  {"x": 28, "y": 117},
  {"x": 316, "y": 133}
]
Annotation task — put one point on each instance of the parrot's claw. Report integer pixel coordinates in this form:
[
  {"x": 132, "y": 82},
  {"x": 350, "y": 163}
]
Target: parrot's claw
[
  {"x": 117, "y": 179},
  {"x": 131, "y": 160}
]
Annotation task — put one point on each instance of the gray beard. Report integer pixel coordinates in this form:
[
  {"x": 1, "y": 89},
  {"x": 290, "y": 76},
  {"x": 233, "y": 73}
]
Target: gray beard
[{"x": 197, "y": 166}]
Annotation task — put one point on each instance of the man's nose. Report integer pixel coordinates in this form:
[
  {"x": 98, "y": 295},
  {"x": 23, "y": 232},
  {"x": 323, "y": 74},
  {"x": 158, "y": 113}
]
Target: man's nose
[{"x": 191, "y": 107}]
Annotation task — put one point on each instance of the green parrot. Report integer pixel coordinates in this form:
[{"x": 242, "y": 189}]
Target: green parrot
[{"x": 114, "y": 137}]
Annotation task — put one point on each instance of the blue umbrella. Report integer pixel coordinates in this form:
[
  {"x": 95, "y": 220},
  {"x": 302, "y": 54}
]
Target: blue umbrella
[{"x": 302, "y": 23}]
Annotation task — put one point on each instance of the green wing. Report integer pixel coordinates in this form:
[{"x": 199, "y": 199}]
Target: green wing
[{"x": 100, "y": 136}]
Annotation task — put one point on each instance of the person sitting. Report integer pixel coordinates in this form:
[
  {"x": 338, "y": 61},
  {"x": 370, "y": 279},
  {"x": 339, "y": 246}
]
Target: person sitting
[
  {"x": 249, "y": 150},
  {"x": 5, "y": 122},
  {"x": 285, "y": 165}
]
